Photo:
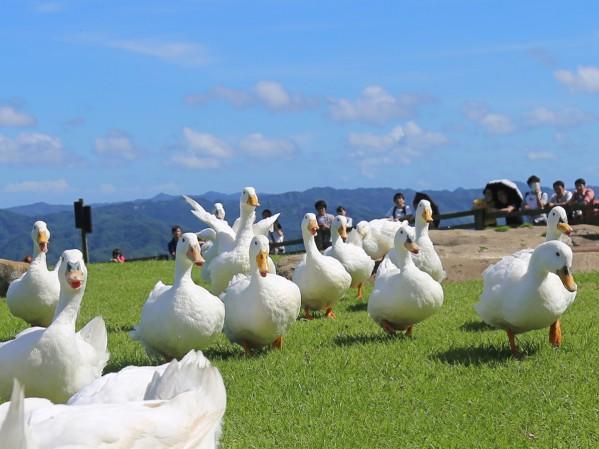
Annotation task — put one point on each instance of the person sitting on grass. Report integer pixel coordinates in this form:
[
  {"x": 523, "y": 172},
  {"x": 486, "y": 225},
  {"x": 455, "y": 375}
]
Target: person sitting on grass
[
  {"x": 535, "y": 198},
  {"x": 172, "y": 245},
  {"x": 401, "y": 210},
  {"x": 117, "y": 256},
  {"x": 561, "y": 195}
]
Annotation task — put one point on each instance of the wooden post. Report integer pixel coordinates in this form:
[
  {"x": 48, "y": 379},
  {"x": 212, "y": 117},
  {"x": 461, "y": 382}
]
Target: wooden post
[
  {"x": 479, "y": 219},
  {"x": 84, "y": 246}
]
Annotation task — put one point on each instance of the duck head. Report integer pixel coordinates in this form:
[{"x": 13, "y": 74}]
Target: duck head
[
  {"x": 219, "y": 211},
  {"x": 405, "y": 239},
  {"x": 556, "y": 257},
  {"x": 424, "y": 211},
  {"x": 363, "y": 228},
  {"x": 188, "y": 250},
  {"x": 259, "y": 249},
  {"x": 72, "y": 273},
  {"x": 249, "y": 199},
  {"x": 40, "y": 236},
  {"x": 339, "y": 227},
  {"x": 557, "y": 221},
  {"x": 309, "y": 224}
]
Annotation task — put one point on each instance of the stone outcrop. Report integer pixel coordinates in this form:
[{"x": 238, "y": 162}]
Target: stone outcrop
[{"x": 9, "y": 271}]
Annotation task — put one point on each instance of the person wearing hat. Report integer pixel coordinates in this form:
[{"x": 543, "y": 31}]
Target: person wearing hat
[
  {"x": 535, "y": 198},
  {"x": 325, "y": 220}
]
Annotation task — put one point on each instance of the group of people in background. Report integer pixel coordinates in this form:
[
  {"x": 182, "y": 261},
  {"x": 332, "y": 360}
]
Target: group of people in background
[{"x": 499, "y": 200}]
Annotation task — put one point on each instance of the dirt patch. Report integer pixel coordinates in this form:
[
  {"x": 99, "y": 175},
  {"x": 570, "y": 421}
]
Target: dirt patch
[{"x": 467, "y": 253}]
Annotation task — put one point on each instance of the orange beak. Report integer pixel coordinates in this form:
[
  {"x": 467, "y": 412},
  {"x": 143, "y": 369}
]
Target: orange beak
[
  {"x": 343, "y": 233},
  {"x": 427, "y": 215},
  {"x": 42, "y": 241},
  {"x": 75, "y": 279},
  {"x": 194, "y": 254},
  {"x": 565, "y": 228},
  {"x": 253, "y": 201},
  {"x": 313, "y": 227},
  {"x": 567, "y": 279},
  {"x": 411, "y": 246},
  {"x": 262, "y": 262}
]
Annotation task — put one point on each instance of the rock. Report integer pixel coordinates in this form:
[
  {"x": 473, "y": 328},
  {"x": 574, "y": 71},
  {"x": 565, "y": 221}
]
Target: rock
[
  {"x": 286, "y": 264},
  {"x": 9, "y": 271}
]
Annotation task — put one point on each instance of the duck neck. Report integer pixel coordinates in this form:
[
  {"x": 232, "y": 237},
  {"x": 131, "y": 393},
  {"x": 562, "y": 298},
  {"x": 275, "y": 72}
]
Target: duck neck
[
  {"x": 39, "y": 259},
  {"x": 68, "y": 306},
  {"x": 403, "y": 258},
  {"x": 337, "y": 240},
  {"x": 421, "y": 227},
  {"x": 245, "y": 231},
  {"x": 534, "y": 270},
  {"x": 310, "y": 244},
  {"x": 182, "y": 271},
  {"x": 552, "y": 234}
]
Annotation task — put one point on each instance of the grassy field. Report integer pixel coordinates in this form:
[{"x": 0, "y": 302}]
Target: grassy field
[{"x": 345, "y": 384}]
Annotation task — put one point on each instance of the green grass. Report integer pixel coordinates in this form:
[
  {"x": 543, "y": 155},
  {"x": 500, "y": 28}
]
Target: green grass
[
  {"x": 503, "y": 228},
  {"x": 344, "y": 384}
]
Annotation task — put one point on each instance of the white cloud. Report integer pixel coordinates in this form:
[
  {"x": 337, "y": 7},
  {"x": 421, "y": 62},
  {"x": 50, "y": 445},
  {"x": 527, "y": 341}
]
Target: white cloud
[
  {"x": 584, "y": 79},
  {"x": 541, "y": 156},
  {"x": 268, "y": 94},
  {"x": 564, "y": 117},
  {"x": 401, "y": 145},
  {"x": 375, "y": 105},
  {"x": 58, "y": 185},
  {"x": 203, "y": 150},
  {"x": 31, "y": 149},
  {"x": 206, "y": 144},
  {"x": 493, "y": 122},
  {"x": 260, "y": 146},
  {"x": 10, "y": 117},
  {"x": 116, "y": 144}
]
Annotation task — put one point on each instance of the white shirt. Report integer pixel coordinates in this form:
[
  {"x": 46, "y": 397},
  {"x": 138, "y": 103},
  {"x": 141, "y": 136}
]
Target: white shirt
[
  {"x": 567, "y": 196},
  {"x": 530, "y": 200}
]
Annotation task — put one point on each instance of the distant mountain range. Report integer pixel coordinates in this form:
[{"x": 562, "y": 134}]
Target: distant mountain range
[{"x": 142, "y": 227}]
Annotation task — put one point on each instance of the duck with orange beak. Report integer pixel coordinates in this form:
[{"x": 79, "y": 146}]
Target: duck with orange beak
[
  {"x": 405, "y": 296},
  {"x": 178, "y": 318},
  {"x": 427, "y": 258},
  {"x": 33, "y": 296},
  {"x": 64, "y": 360},
  {"x": 322, "y": 280},
  {"x": 522, "y": 294},
  {"x": 354, "y": 259},
  {"x": 261, "y": 307}
]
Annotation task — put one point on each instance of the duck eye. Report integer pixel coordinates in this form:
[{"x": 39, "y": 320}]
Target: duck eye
[
  {"x": 183, "y": 240},
  {"x": 557, "y": 253}
]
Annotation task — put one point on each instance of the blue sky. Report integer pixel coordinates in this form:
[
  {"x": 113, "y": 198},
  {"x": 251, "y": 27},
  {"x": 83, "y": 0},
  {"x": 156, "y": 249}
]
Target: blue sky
[{"x": 121, "y": 100}]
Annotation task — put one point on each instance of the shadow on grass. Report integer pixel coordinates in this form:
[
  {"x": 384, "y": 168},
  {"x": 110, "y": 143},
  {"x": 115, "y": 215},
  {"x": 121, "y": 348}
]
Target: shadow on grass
[
  {"x": 476, "y": 326},
  {"x": 483, "y": 355},
  {"x": 362, "y": 339},
  {"x": 358, "y": 307},
  {"x": 119, "y": 327},
  {"x": 235, "y": 352}
]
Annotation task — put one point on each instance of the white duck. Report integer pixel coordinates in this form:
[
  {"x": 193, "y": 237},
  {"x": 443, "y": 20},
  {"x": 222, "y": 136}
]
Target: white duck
[
  {"x": 260, "y": 308},
  {"x": 237, "y": 261},
  {"x": 377, "y": 236},
  {"x": 354, "y": 259},
  {"x": 520, "y": 295},
  {"x": 180, "y": 317},
  {"x": 406, "y": 296},
  {"x": 180, "y": 405},
  {"x": 56, "y": 361},
  {"x": 33, "y": 296},
  {"x": 427, "y": 258},
  {"x": 322, "y": 280}
]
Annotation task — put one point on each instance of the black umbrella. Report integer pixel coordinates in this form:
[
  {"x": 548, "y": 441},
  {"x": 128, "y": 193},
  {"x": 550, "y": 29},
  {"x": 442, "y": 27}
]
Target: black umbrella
[
  {"x": 512, "y": 191},
  {"x": 423, "y": 196}
]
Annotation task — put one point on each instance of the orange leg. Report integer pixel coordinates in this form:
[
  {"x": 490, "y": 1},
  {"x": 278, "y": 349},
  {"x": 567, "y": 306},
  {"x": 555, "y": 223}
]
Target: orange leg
[
  {"x": 360, "y": 294},
  {"x": 307, "y": 314},
  {"x": 246, "y": 347},
  {"x": 409, "y": 330},
  {"x": 555, "y": 334},
  {"x": 330, "y": 314},
  {"x": 388, "y": 327},
  {"x": 278, "y": 343},
  {"x": 513, "y": 346}
]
